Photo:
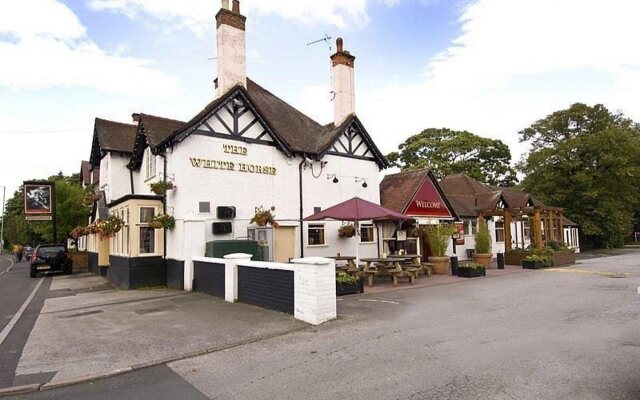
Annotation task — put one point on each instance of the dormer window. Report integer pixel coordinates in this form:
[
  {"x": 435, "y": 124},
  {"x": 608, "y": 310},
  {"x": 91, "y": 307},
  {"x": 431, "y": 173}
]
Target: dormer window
[{"x": 150, "y": 164}]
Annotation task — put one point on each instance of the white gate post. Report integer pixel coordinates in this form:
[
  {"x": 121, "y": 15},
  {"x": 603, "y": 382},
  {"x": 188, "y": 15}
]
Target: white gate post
[
  {"x": 194, "y": 246},
  {"x": 231, "y": 275},
  {"x": 315, "y": 290}
]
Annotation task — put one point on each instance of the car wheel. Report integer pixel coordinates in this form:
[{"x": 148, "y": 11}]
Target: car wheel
[{"x": 33, "y": 272}]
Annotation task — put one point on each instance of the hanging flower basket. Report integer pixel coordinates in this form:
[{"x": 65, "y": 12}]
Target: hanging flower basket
[
  {"x": 161, "y": 187},
  {"x": 108, "y": 228},
  {"x": 78, "y": 232},
  {"x": 91, "y": 198},
  {"x": 264, "y": 217},
  {"x": 347, "y": 231},
  {"x": 161, "y": 221}
]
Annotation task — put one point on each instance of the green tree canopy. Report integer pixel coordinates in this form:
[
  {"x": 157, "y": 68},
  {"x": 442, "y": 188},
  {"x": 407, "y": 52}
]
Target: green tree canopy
[
  {"x": 450, "y": 152},
  {"x": 587, "y": 160},
  {"x": 70, "y": 212}
]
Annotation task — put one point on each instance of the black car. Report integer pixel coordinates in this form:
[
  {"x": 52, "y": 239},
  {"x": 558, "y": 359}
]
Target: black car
[{"x": 50, "y": 257}]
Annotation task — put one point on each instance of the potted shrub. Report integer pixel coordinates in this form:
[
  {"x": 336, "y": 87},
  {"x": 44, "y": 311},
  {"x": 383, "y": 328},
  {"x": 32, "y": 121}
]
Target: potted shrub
[
  {"x": 438, "y": 237},
  {"x": 347, "y": 231},
  {"x": 161, "y": 187},
  {"x": 483, "y": 253},
  {"x": 161, "y": 221},
  {"x": 348, "y": 284},
  {"x": 471, "y": 270},
  {"x": 264, "y": 217}
]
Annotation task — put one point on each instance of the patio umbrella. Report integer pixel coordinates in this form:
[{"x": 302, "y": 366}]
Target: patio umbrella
[{"x": 356, "y": 210}]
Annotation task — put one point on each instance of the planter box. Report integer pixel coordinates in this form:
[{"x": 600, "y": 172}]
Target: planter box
[
  {"x": 483, "y": 259},
  {"x": 526, "y": 264},
  {"x": 343, "y": 288},
  {"x": 515, "y": 257},
  {"x": 471, "y": 272},
  {"x": 564, "y": 257}
]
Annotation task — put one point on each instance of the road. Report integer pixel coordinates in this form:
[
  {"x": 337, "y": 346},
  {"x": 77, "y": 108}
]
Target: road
[
  {"x": 17, "y": 315},
  {"x": 570, "y": 333}
]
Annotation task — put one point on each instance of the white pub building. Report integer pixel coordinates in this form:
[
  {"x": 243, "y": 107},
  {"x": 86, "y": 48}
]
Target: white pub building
[{"x": 247, "y": 149}]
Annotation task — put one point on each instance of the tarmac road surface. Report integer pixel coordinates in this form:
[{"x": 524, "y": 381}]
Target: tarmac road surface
[
  {"x": 565, "y": 333},
  {"x": 20, "y": 305}
]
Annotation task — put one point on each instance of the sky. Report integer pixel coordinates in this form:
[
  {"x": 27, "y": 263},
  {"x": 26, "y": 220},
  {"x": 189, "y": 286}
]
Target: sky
[{"x": 492, "y": 67}]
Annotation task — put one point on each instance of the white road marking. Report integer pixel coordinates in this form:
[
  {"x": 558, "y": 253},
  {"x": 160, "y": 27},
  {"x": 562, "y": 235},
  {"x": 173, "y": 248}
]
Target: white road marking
[
  {"x": 379, "y": 301},
  {"x": 7, "y": 329},
  {"x": 10, "y": 266}
]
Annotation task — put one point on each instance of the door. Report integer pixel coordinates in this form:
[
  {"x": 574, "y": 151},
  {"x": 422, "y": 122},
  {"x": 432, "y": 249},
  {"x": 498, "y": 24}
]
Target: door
[{"x": 285, "y": 237}]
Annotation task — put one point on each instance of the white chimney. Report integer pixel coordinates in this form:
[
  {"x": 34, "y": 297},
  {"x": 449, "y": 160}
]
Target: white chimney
[
  {"x": 344, "y": 102},
  {"x": 231, "y": 42}
]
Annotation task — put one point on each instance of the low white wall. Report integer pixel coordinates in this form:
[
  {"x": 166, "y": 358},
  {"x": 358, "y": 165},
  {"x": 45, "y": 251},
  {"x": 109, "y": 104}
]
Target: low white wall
[{"x": 314, "y": 283}]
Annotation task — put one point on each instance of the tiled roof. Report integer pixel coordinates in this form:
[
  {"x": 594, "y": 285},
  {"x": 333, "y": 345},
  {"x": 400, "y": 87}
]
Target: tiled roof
[
  {"x": 115, "y": 136},
  {"x": 298, "y": 132},
  {"x": 157, "y": 129},
  {"x": 397, "y": 190}
]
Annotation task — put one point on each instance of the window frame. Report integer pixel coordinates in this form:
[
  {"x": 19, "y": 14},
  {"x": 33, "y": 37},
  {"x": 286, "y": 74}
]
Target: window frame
[
  {"x": 150, "y": 164},
  {"x": 373, "y": 233},
  {"x": 497, "y": 229},
  {"x": 319, "y": 226},
  {"x": 144, "y": 226}
]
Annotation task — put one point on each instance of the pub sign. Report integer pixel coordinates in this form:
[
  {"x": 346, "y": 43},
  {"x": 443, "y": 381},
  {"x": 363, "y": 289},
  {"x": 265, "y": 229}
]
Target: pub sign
[{"x": 39, "y": 197}]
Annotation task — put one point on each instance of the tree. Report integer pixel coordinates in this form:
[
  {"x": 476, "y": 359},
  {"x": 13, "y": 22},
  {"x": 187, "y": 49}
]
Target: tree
[
  {"x": 451, "y": 152},
  {"x": 70, "y": 212},
  {"x": 587, "y": 160}
]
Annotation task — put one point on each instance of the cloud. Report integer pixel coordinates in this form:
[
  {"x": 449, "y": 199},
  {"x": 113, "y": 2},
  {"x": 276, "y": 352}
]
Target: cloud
[
  {"x": 49, "y": 48},
  {"x": 513, "y": 62},
  {"x": 196, "y": 15}
]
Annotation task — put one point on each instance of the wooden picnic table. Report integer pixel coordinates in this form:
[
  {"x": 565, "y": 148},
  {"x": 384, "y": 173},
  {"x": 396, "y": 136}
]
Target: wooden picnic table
[
  {"x": 351, "y": 263},
  {"x": 389, "y": 266}
]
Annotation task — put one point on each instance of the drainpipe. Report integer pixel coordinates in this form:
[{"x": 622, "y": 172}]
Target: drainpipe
[
  {"x": 131, "y": 180},
  {"x": 301, "y": 208},
  {"x": 164, "y": 211}
]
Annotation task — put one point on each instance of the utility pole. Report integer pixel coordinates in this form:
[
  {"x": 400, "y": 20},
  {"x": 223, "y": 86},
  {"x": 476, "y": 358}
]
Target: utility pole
[{"x": 2, "y": 222}]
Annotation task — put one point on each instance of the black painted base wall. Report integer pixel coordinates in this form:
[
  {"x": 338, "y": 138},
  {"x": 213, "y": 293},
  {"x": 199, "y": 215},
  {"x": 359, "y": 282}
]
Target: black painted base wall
[
  {"x": 93, "y": 263},
  {"x": 132, "y": 273},
  {"x": 208, "y": 278},
  {"x": 175, "y": 274},
  {"x": 268, "y": 288}
]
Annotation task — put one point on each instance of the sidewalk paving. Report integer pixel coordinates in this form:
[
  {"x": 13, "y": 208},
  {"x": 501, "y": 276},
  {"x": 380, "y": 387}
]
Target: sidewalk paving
[{"x": 90, "y": 331}]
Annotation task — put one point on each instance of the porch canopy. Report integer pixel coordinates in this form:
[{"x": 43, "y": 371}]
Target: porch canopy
[
  {"x": 356, "y": 210},
  {"x": 552, "y": 217}
]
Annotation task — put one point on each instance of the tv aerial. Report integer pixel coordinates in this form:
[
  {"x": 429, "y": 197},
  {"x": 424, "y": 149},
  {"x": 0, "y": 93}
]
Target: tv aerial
[{"x": 326, "y": 39}]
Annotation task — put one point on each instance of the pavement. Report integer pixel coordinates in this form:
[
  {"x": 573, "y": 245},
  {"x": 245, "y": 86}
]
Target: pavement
[
  {"x": 91, "y": 330},
  {"x": 557, "y": 333}
]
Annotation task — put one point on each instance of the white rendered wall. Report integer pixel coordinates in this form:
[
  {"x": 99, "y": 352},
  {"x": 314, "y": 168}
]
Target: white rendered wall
[
  {"x": 114, "y": 176},
  {"x": 246, "y": 190}
]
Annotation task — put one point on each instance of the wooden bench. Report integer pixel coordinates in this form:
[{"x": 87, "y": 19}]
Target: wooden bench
[
  {"x": 427, "y": 268},
  {"x": 408, "y": 272}
]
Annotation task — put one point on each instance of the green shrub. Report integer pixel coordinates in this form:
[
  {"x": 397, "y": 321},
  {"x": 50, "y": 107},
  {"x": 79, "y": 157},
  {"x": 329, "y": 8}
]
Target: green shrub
[
  {"x": 483, "y": 238},
  {"x": 438, "y": 237},
  {"x": 343, "y": 277}
]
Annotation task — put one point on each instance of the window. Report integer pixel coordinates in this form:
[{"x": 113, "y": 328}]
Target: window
[
  {"x": 499, "y": 231},
  {"x": 366, "y": 233},
  {"x": 147, "y": 234},
  {"x": 474, "y": 226},
  {"x": 150, "y": 164},
  {"x": 315, "y": 235},
  {"x": 526, "y": 226}
]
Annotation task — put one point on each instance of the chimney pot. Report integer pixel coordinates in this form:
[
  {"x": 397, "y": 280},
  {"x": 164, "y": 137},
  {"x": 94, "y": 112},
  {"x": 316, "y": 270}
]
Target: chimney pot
[
  {"x": 225, "y": 4},
  {"x": 339, "y": 44},
  {"x": 236, "y": 7}
]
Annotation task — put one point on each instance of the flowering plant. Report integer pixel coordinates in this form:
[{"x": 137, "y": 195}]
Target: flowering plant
[
  {"x": 79, "y": 231},
  {"x": 347, "y": 231},
  {"x": 108, "y": 228},
  {"x": 162, "y": 221},
  {"x": 161, "y": 187},
  {"x": 263, "y": 217}
]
